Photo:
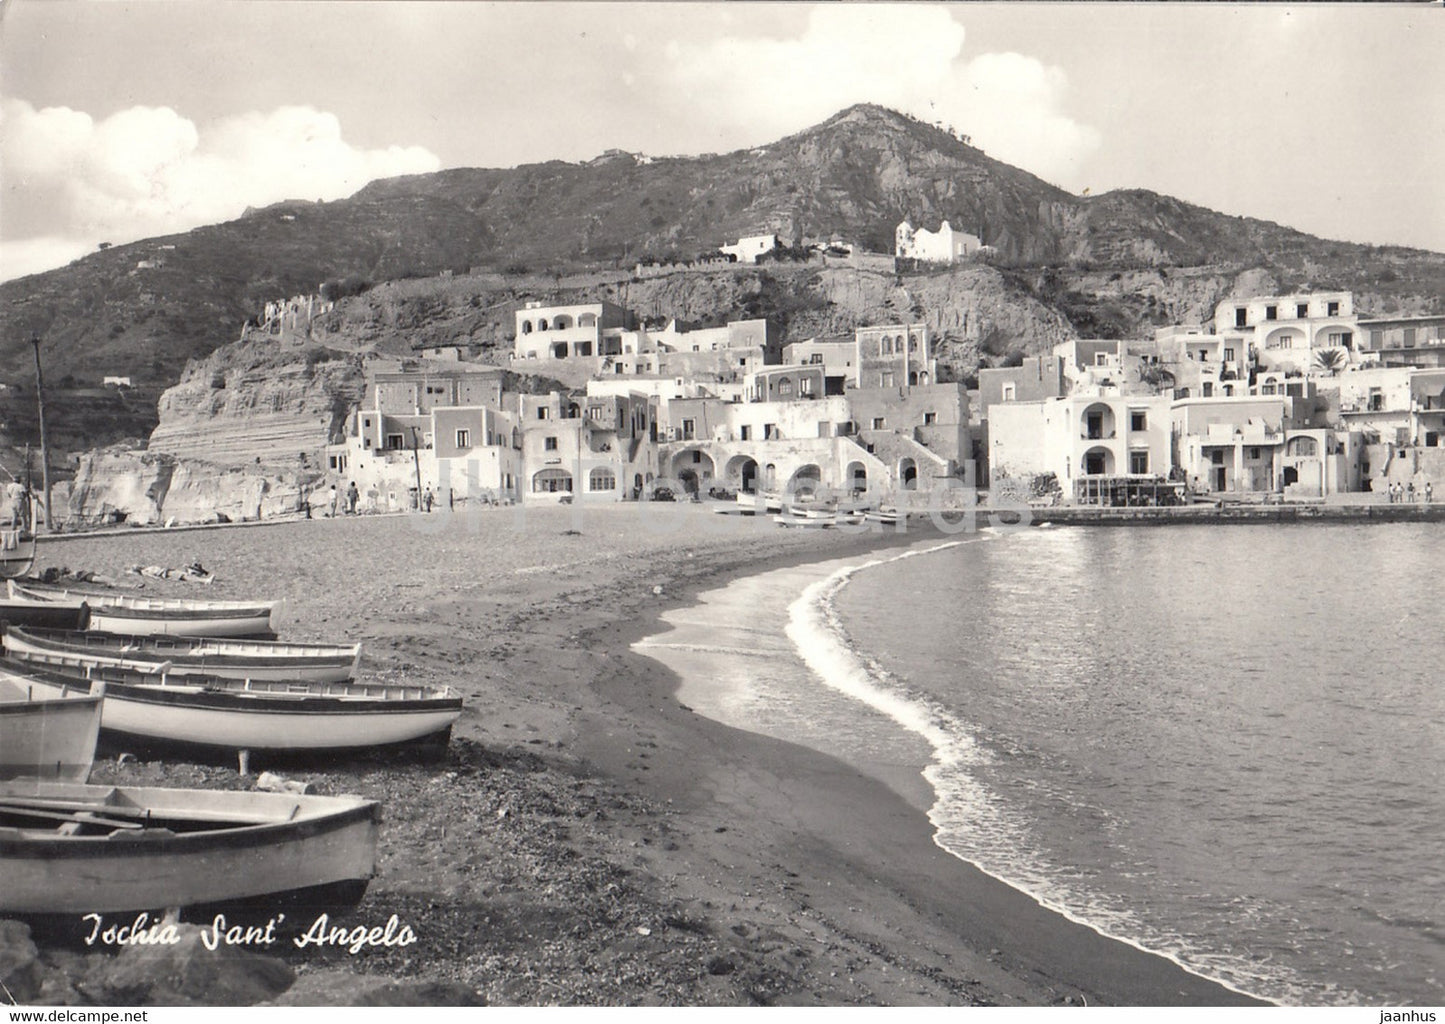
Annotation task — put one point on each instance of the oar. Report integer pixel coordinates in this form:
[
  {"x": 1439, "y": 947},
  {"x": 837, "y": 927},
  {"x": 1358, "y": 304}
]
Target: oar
[{"x": 79, "y": 817}]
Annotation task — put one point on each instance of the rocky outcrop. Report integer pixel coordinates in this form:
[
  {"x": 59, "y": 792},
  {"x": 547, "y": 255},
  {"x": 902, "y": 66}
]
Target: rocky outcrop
[
  {"x": 126, "y": 485},
  {"x": 258, "y": 402}
]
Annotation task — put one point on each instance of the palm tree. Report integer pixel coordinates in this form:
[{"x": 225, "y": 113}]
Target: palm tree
[{"x": 1330, "y": 360}]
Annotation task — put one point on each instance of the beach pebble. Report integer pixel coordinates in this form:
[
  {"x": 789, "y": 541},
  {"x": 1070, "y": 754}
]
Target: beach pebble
[
  {"x": 657, "y": 590},
  {"x": 642, "y": 929}
]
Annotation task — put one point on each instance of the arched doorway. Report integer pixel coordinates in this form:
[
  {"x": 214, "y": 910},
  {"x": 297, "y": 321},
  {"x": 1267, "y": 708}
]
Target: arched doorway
[
  {"x": 742, "y": 472},
  {"x": 806, "y": 480},
  {"x": 857, "y": 477},
  {"x": 908, "y": 474},
  {"x": 1098, "y": 462},
  {"x": 696, "y": 466}
]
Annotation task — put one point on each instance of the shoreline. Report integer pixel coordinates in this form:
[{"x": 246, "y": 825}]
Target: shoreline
[
  {"x": 1088, "y": 963},
  {"x": 766, "y": 872}
]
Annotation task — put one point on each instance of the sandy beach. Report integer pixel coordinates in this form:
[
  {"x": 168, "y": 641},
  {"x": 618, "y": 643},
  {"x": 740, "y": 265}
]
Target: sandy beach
[{"x": 588, "y": 839}]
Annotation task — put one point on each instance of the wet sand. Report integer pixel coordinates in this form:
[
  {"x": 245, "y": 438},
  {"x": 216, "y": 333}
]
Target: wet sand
[{"x": 590, "y": 840}]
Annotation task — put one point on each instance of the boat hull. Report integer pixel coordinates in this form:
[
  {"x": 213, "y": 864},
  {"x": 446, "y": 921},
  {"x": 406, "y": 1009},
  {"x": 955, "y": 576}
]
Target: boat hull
[
  {"x": 231, "y": 659},
  {"x": 52, "y": 738},
  {"x": 43, "y": 615},
  {"x": 283, "y": 843},
  {"x": 259, "y": 720},
  {"x": 146, "y": 616}
]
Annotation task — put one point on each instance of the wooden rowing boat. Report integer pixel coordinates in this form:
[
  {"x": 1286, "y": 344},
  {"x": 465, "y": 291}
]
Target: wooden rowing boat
[
  {"x": 44, "y": 616},
  {"x": 68, "y": 848},
  {"x": 249, "y": 714},
  {"x": 232, "y": 658},
  {"x": 148, "y": 616},
  {"x": 52, "y": 738}
]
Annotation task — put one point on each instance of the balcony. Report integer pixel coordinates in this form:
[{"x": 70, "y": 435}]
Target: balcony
[{"x": 1098, "y": 435}]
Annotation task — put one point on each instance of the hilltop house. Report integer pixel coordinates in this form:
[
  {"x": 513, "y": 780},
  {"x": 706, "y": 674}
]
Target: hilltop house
[
  {"x": 942, "y": 246},
  {"x": 747, "y": 250}
]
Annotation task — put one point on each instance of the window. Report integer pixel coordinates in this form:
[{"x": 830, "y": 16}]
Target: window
[
  {"x": 541, "y": 412},
  {"x": 1101, "y": 359},
  {"x": 1302, "y": 310},
  {"x": 1409, "y": 337},
  {"x": 785, "y": 387},
  {"x": 601, "y": 479},
  {"x": 550, "y": 481},
  {"x": 1009, "y": 391},
  {"x": 394, "y": 442},
  {"x": 879, "y": 422},
  {"x": 1208, "y": 390},
  {"x": 1229, "y": 355},
  {"x": 1332, "y": 309},
  {"x": 1254, "y": 454},
  {"x": 1271, "y": 312},
  {"x": 885, "y": 380},
  {"x": 464, "y": 438},
  {"x": 930, "y": 417},
  {"x": 805, "y": 385},
  {"x": 745, "y": 433},
  {"x": 696, "y": 457},
  {"x": 1138, "y": 421},
  {"x": 689, "y": 429},
  {"x": 1241, "y": 316},
  {"x": 549, "y": 444},
  {"x": 1139, "y": 463},
  {"x": 1377, "y": 339}
]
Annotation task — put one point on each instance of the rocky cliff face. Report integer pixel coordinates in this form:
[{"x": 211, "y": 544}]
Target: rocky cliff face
[
  {"x": 126, "y": 485},
  {"x": 258, "y": 402}
]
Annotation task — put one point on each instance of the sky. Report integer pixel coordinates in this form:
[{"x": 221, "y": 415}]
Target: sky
[{"x": 128, "y": 119}]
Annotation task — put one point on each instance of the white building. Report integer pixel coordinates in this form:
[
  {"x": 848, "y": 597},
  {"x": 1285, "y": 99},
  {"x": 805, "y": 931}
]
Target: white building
[
  {"x": 747, "y": 250},
  {"x": 942, "y": 246}
]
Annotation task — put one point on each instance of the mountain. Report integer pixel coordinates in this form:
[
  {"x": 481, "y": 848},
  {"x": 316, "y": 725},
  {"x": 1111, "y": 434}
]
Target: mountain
[{"x": 144, "y": 309}]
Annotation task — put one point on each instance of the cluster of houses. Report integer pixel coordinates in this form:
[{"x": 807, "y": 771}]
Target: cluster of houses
[
  {"x": 1291, "y": 396},
  {"x": 715, "y": 410}
]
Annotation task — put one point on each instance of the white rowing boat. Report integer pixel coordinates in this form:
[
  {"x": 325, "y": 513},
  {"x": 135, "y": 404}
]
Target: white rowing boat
[
  {"x": 52, "y": 738},
  {"x": 68, "y": 848},
  {"x": 250, "y": 714},
  {"x": 233, "y": 658},
  {"x": 145, "y": 616}
]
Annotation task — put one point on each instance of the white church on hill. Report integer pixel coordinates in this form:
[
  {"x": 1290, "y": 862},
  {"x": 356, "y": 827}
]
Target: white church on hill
[{"x": 942, "y": 246}]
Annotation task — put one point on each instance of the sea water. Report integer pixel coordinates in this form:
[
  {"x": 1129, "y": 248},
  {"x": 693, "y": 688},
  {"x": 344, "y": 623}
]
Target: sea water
[{"x": 1219, "y": 743}]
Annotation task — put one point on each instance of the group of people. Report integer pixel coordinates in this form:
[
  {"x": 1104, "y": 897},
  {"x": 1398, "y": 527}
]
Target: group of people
[
  {"x": 343, "y": 502},
  {"x": 1406, "y": 493}
]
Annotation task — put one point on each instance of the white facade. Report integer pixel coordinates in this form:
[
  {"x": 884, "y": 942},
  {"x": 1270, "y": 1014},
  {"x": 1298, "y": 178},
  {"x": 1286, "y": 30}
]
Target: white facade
[
  {"x": 942, "y": 246},
  {"x": 747, "y": 250}
]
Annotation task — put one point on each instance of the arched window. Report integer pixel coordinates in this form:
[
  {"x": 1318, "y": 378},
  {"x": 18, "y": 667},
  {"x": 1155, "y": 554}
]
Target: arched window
[
  {"x": 551, "y": 481},
  {"x": 785, "y": 387},
  {"x": 562, "y": 322},
  {"x": 601, "y": 479},
  {"x": 542, "y": 324},
  {"x": 526, "y": 327},
  {"x": 586, "y": 319}
]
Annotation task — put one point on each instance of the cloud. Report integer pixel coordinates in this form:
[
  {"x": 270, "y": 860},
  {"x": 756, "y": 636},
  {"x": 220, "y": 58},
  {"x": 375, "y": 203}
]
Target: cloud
[
  {"x": 910, "y": 58},
  {"x": 71, "y": 182}
]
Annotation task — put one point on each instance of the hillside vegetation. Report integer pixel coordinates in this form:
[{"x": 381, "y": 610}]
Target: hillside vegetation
[{"x": 1107, "y": 265}]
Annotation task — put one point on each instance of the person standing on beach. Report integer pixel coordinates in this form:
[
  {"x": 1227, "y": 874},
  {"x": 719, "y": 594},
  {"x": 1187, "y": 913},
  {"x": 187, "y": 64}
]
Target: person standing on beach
[
  {"x": 426, "y": 500},
  {"x": 1410, "y": 493},
  {"x": 1429, "y": 492},
  {"x": 352, "y": 496},
  {"x": 333, "y": 500}
]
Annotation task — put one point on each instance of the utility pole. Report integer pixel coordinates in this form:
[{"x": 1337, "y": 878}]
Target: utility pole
[
  {"x": 44, "y": 451},
  {"x": 416, "y": 459}
]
